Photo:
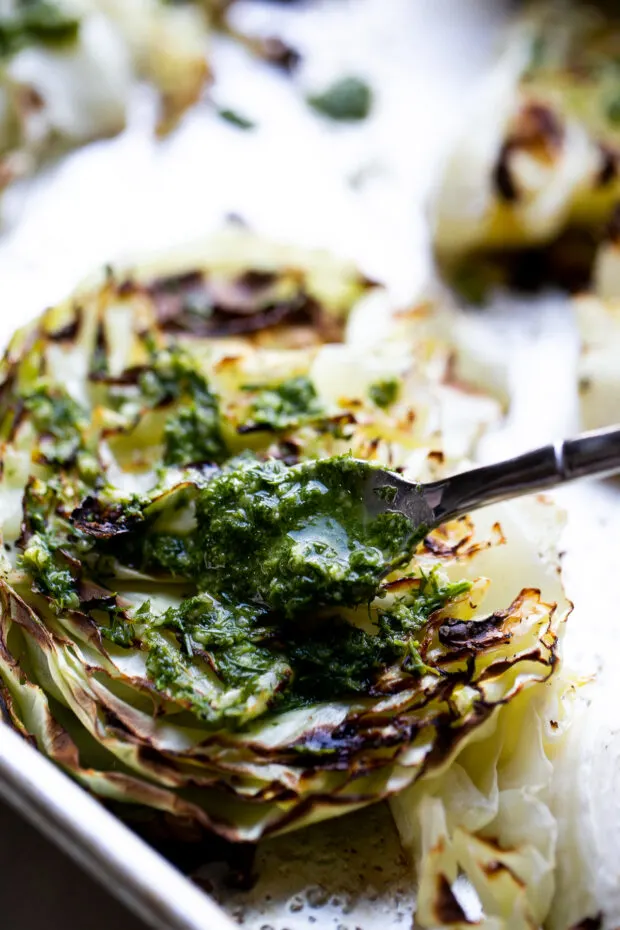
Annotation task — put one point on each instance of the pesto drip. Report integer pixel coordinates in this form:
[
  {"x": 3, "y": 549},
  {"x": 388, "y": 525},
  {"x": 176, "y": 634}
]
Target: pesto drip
[
  {"x": 266, "y": 664},
  {"x": 193, "y": 430},
  {"x": 61, "y": 425},
  {"x": 284, "y": 406},
  {"x": 275, "y": 555}
]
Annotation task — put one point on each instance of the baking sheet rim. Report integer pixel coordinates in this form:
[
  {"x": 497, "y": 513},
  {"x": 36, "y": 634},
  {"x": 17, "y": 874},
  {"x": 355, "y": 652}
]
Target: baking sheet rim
[{"x": 100, "y": 843}]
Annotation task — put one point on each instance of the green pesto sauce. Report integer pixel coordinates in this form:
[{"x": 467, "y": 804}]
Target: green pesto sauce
[
  {"x": 61, "y": 427},
  {"x": 260, "y": 658},
  {"x": 193, "y": 431},
  {"x": 36, "y": 22},
  {"x": 285, "y": 405},
  {"x": 289, "y": 541},
  {"x": 274, "y": 555},
  {"x": 59, "y": 422},
  {"x": 297, "y": 538},
  {"x": 42, "y": 557},
  {"x": 43, "y": 562},
  {"x": 384, "y": 393}
]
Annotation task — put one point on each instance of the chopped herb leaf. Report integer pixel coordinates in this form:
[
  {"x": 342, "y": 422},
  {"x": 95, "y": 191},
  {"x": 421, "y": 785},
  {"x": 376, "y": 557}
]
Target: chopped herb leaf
[
  {"x": 235, "y": 119},
  {"x": 347, "y": 100},
  {"x": 43, "y": 562},
  {"x": 384, "y": 393}
]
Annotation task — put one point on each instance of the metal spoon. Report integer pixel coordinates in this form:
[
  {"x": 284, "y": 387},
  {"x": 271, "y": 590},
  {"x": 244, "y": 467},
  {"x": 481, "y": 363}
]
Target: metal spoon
[{"x": 427, "y": 505}]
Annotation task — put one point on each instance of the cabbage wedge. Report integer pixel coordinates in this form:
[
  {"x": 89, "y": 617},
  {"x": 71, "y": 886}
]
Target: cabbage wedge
[
  {"x": 527, "y": 197},
  {"x": 123, "y": 655}
]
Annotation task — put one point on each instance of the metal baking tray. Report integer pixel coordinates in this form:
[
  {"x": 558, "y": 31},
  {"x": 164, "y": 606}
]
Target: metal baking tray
[{"x": 359, "y": 191}]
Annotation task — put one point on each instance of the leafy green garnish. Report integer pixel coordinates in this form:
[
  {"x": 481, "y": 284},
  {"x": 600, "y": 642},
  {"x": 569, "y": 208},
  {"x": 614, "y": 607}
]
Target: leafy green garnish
[
  {"x": 43, "y": 557},
  {"x": 194, "y": 435},
  {"x": 230, "y": 637},
  {"x": 347, "y": 100},
  {"x": 118, "y": 630},
  {"x": 59, "y": 421},
  {"x": 43, "y": 562}
]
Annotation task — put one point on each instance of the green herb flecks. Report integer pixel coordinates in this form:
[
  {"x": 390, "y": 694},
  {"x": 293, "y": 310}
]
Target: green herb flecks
[
  {"x": 346, "y": 100},
  {"x": 42, "y": 560},
  {"x": 61, "y": 425},
  {"x": 409, "y": 615},
  {"x": 238, "y": 678},
  {"x": 384, "y": 393},
  {"x": 193, "y": 435},
  {"x": 284, "y": 406},
  {"x": 173, "y": 554},
  {"x": 261, "y": 664},
  {"x": 193, "y": 431},
  {"x": 117, "y": 630},
  {"x": 43, "y": 556}
]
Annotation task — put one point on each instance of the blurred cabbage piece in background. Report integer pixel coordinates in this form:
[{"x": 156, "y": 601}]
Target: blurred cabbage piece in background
[{"x": 531, "y": 183}]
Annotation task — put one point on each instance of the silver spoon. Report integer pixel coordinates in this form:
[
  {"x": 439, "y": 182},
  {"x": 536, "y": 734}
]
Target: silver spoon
[{"x": 428, "y": 505}]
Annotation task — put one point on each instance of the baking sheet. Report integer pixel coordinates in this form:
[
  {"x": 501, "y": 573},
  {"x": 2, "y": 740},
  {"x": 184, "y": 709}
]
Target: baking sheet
[{"x": 359, "y": 191}]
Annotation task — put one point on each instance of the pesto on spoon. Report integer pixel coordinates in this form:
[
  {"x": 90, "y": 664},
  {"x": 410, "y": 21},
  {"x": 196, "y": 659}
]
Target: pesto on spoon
[{"x": 300, "y": 537}]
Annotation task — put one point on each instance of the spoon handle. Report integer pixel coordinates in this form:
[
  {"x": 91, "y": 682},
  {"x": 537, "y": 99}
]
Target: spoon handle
[{"x": 587, "y": 456}]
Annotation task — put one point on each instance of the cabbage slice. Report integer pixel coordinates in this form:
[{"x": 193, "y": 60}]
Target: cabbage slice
[
  {"x": 58, "y": 94},
  {"x": 484, "y": 834},
  {"x": 239, "y": 344},
  {"x": 539, "y": 174}
]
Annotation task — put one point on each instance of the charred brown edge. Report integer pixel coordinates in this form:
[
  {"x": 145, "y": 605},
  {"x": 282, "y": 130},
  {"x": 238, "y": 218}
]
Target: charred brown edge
[
  {"x": 610, "y": 166},
  {"x": 474, "y": 635},
  {"x": 340, "y": 419},
  {"x": 447, "y": 908},
  {"x": 302, "y": 308},
  {"x": 71, "y": 331},
  {"x": 94, "y": 518},
  {"x": 100, "y": 349},
  {"x": 537, "y": 126},
  {"x": 613, "y": 227},
  {"x": 589, "y": 923}
]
